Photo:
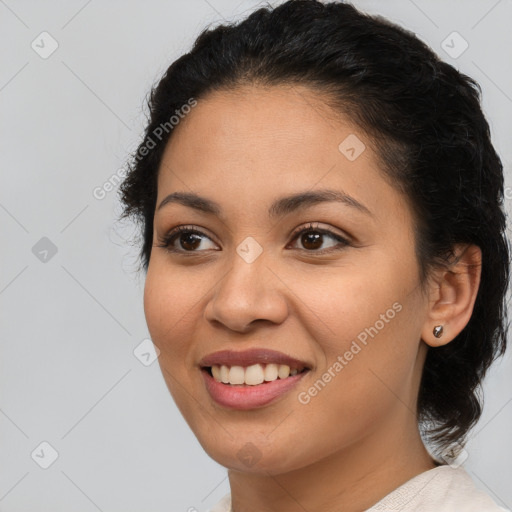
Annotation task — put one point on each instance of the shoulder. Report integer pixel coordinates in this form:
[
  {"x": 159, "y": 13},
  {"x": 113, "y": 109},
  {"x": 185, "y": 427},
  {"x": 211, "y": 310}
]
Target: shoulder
[
  {"x": 442, "y": 489},
  {"x": 224, "y": 505}
]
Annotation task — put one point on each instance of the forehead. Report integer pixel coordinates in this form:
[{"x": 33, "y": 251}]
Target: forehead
[
  {"x": 243, "y": 121},
  {"x": 254, "y": 142}
]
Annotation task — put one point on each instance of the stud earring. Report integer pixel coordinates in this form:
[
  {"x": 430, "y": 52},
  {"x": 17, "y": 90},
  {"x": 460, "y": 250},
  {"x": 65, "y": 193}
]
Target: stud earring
[{"x": 438, "y": 331}]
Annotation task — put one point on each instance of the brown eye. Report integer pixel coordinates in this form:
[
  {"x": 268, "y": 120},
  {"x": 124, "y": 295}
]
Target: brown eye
[
  {"x": 189, "y": 240},
  {"x": 184, "y": 239},
  {"x": 312, "y": 238}
]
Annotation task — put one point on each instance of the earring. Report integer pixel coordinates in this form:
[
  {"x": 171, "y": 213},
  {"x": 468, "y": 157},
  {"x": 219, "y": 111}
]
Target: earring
[{"x": 438, "y": 331}]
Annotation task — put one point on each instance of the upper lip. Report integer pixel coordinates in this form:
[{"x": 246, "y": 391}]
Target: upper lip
[{"x": 250, "y": 357}]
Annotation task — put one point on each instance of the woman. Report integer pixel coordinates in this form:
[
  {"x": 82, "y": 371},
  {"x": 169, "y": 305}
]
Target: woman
[{"x": 323, "y": 235}]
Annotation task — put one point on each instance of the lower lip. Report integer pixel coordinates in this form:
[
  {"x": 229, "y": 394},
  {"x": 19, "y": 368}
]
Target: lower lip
[{"x": 245, "y": 397}]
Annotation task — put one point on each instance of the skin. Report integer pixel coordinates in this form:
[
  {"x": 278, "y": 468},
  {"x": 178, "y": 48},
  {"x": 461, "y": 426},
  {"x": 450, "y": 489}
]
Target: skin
[{"x": 357, "y": 439}]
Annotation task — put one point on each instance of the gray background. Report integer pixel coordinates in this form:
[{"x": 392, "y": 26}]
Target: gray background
[{"x": 70, "y": 323}]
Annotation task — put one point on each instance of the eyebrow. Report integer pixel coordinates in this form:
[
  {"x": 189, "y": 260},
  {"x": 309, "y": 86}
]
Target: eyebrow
[{"x": 279, "y": 208}]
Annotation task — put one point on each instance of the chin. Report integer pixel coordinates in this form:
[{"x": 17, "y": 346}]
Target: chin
[{"x": 255, "y": 458}]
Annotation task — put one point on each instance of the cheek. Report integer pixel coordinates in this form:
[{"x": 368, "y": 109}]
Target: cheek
[
  {"x": 365, "y": 322},
  {"x": 351, "y": 302},
  {"x": 169, "y": 300}
]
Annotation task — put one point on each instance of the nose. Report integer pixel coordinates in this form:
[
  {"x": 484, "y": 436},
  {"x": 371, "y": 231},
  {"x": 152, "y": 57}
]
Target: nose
[{"x": 248, "y": 293}]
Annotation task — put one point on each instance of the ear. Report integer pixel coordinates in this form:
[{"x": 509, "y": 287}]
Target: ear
[{"x": 452, "y": 295}]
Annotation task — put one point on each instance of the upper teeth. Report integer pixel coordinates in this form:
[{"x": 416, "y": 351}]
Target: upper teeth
[{"x": 251, "y": 375}]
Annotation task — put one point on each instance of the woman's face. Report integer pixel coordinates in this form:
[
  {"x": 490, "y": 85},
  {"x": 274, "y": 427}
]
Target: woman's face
[{"x": 351, "y": 311}]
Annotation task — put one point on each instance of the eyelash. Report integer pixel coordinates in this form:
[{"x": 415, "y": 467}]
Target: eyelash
[{"x": 167, "y": 240}]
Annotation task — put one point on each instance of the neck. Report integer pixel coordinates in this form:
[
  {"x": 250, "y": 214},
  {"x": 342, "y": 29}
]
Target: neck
[{"x": 352, "y": 479}]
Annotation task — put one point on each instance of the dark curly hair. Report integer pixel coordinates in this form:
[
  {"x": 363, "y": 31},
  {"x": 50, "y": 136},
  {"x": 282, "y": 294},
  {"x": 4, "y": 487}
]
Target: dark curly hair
[{"x": 424, "y": 120}]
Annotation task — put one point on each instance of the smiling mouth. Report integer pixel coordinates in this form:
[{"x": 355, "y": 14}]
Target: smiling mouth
[{"x": 252, "y": 375}]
